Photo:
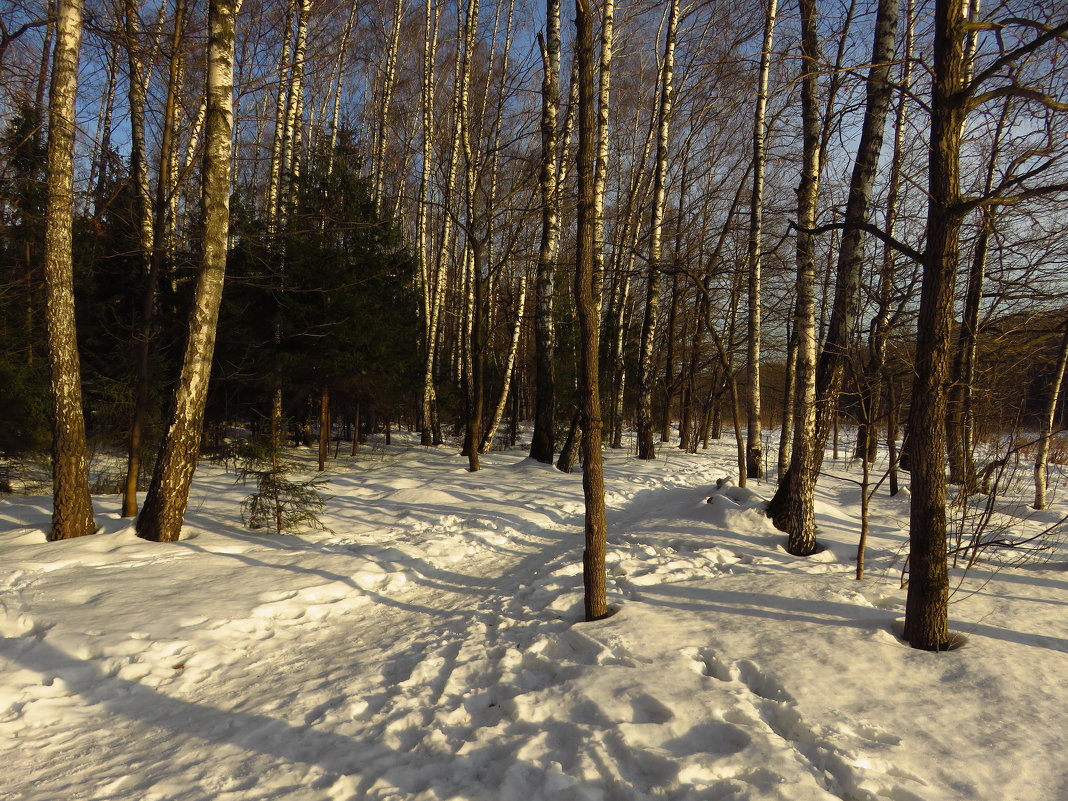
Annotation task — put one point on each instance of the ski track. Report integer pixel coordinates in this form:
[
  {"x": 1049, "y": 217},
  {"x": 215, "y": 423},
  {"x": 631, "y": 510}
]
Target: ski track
[{"x": 483, "y": 685}]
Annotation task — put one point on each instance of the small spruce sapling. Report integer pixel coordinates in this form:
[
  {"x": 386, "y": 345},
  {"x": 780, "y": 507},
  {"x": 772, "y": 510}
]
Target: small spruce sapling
[{"x": 279, "y": 502}]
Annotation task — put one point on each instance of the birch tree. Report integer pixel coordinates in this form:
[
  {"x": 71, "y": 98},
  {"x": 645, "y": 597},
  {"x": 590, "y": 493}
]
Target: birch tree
[
  {"x": 164, "y": 508},
  {"x": 72, "y": 507},
  {"x": 542, "y": 444},
  {"x": 1048, "y": 414},
  {"x": 754, "y": 449},
  {"x": 799, "y": 509},
  {"x": 646, "y": 365},
  {"x": 157, "y": 249},
  {"x": 801, "y": 480}
]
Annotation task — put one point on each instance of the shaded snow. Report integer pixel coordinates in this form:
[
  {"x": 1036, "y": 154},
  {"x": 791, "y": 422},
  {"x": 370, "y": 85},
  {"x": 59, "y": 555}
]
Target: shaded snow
[{"x": 428, "y": 646}]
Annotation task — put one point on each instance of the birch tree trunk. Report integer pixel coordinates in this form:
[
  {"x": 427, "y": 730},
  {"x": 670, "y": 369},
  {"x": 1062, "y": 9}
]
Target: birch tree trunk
[
  {"x": 291, "y": 135},
  {"x": 604, "y": 107},
  {"x": 799, "y": 511},
  {"x": 335, "y": 112},
  {"x": 800, "y": 480},
  {"x": 433, "y": 270},
  {"x": 880, "y": 326},
  {"x": 754, "y": 449},
  {"x": 72, "y": 507},
  {"x": 1047, "y": 422},
  {"x": 509, "y": 368},
  {"x": 542, "y": 444},
  {"x": 164, "y": 509},
  {"x": 390, "y": 70},
  {"x": 593, "y": 556},
  {"x": 138, "y": 89},
  {"x": 155, "y": 268},
  {"x": 646, "y": 366},
  {"x": 102, "y": 141},
  {"x": 274, "y": 184},
  {"x": 851, "y": 251}
]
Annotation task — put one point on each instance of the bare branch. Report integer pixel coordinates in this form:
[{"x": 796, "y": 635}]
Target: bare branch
[
  {"x": 1048, "y": 34},
  {"x": 1022, "y": 92},
  {"x": 868, "y": 228}
]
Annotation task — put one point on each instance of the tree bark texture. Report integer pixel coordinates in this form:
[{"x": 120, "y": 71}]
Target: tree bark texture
[
  {"x": 754, "y": 468},
  {"x": 158, "y": 248},
  {"x": 72, "y": 509},
  {"x": 646, "y": 360},
  {"x": 927, "y": 605},
  {"x": 542, "y": 444},
  {"x": 164, "y": 509},
  {"x": 587, "y": 306},
  {"x": 799, "y": 512},
  {"x": 832, "y": 360}
]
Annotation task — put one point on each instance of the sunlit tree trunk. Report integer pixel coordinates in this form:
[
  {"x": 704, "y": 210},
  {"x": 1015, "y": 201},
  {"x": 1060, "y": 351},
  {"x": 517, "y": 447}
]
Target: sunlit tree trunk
[
  {"x": 164, "y": 509},
  {"x": 72, "y": 509},
  {"x": 291, "y": 135},
  {"x": 509, "y": 368},
  {"x": 324, "y": 427},
  {"x": 880, "y": 326},
  {"x": 433, "y": 269},
  {"x": 277, "y": 143},
  {"x": 754, "y": 449},
  {"x": 646, "y": 361},
  {"x": 342, "y": 58},
  {"x": 799, "y": 512},
  {"x": 800, "y": 480},
  {"x": 138, "y": 88},
  {"x": 1048, "y": 415},
  {"x": 385, "y": 100}
]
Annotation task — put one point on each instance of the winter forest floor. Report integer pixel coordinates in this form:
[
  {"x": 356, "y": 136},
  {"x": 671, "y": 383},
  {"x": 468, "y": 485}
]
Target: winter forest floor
[{"x": 429, "y": 646}]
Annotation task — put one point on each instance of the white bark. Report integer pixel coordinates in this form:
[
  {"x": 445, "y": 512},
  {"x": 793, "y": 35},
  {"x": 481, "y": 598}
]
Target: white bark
[
  {"x": 646, "y": 371},
  {"x": 279, "y": 119},
  {"x": 164, "y": 509},
  {"x": 72, "y": 510},
  {"x": 754, "y": 469},
  {"x": 1047, "y": 422},
  {"x": 378, "y": 165},
  {"x": 509, "y": 369}
]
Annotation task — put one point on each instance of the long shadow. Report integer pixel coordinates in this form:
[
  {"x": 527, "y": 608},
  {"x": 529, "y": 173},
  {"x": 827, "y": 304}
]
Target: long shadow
[
  {"x": 774, "y": 607},
  {"x": 139, "y": 703}
]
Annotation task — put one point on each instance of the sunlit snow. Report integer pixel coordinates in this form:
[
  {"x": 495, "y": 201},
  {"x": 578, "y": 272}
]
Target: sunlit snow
[{"x": 429, "y": 646}]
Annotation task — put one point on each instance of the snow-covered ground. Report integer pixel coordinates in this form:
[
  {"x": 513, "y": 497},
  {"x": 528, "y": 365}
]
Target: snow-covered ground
[{"x": 429, "y": 646}]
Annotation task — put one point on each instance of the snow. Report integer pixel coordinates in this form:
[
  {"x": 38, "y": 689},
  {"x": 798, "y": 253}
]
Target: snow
[{"x": 429, "y": 645}]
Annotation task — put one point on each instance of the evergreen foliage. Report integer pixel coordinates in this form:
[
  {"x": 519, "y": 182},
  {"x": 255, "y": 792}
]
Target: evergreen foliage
[
  {"x": 279, "y": 503},
  {"x": 331, "y": 302}
]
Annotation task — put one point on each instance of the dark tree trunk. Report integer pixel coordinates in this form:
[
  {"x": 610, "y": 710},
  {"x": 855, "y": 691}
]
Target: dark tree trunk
[
  {"x": 587, "y": 303},
  {"x": 570, "y": 450},
  {"x": 324, "y": 428},
  {"x": 927, "y": 605},
  {"x": 797, "y": 513}
]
